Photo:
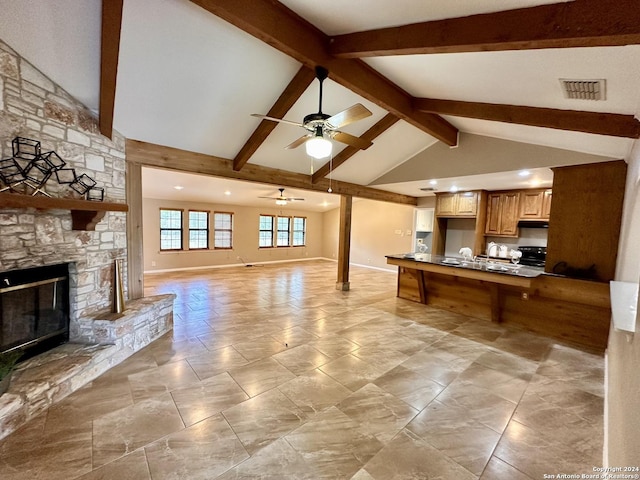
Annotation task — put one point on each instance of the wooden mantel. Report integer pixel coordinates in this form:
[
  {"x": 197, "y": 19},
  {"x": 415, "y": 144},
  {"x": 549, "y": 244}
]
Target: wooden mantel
[{"x": 85, "y": 214}]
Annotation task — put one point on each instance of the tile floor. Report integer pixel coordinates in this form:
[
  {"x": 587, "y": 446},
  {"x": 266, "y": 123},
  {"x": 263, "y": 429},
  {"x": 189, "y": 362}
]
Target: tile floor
[{"x": 271, "y": 373}]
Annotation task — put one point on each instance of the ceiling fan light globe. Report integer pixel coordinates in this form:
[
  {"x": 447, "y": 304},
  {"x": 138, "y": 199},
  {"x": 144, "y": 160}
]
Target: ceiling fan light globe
[
  {"x": 281, "y": 202},
  {"x": 318, "y": 147}
]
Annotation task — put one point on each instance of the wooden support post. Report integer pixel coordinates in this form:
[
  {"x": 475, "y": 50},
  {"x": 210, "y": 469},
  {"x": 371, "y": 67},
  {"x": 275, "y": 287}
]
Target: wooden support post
[
  {"x": 422, "y": 286},
  {"x": 344, "y": 242},
  {"x": 135, "y": 270},
  {"x": 496, "y": 302},
  {"x": 439, "y": 235}
]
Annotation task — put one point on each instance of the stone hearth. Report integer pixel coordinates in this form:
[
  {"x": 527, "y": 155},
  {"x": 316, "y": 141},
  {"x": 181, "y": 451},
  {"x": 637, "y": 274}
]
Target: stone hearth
[{"x": 47, "y": 378}]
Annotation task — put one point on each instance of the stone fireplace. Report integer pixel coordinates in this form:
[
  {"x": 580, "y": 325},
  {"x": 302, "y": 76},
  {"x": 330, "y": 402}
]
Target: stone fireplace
[{"x": 34, "y": 107}]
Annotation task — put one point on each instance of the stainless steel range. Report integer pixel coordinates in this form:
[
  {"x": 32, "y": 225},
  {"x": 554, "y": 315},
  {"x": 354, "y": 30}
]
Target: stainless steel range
[{"x": 533, "y": 256}]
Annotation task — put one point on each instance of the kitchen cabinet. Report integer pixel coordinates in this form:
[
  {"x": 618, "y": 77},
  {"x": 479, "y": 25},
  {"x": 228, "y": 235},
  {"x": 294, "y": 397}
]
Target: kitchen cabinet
[
  {"x": 546, "y": 204},
  {"x": 464, "y": 204},
  {"x": 424, "y": 220},
  {"x": 502, "y": 214},
  {"x": 453, "y": 207},
  {"x": 535, "y": 204}
]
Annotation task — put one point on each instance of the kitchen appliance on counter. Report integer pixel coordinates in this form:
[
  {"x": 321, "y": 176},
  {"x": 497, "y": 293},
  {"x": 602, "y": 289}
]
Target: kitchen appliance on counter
[
  {"x": 495, "y": 250},
  {"x": 533, "y": 256}
]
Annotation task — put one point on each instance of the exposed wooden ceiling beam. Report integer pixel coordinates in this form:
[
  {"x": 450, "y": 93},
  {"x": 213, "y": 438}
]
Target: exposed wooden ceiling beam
[
  {"x": 284, "y": 30},
  {"x": 612, "y": 124},
  {"x": 578, "y": 23},
  {"x": 289, "y": 96},
  {"x": 152, "y": 155},
  {"x": 385, "y": 123},
  {"x": 109, "y": 50}
]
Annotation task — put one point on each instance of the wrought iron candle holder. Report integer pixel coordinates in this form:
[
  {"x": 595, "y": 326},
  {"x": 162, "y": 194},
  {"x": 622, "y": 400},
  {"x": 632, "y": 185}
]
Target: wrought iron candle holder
[
  {"x": 66, "y": 176},
  {"x": 25, "y": 148},
  {"x": 95, "y": 194},
  {"x": 31, "y": 167},
  {"x": 11, "y": 173},
  {"x": 40, "y": 169},
  {"x": 83, "y": 184}
]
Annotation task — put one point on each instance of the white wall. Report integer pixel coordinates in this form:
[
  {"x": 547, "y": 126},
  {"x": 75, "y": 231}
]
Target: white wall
[
  {"x": 623, "y": 399},
  {"x": 245, "y": 237},
  {"x": 373, "y": 232}
]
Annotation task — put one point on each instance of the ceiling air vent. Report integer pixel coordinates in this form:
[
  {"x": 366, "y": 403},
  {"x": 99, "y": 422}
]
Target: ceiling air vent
[
  {"x": 584, "y": 89},
  {"x": 428, "y": 189}
]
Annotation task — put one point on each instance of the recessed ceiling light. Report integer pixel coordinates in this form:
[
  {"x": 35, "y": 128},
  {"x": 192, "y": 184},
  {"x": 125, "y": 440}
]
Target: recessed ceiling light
[
  {"x": 524, "y": 173},
  {"x": 227, "y": 192},
  {"x": 535, "y": 182},
  {"x": 453, "y": 189},
  {"x": 178, "y": 187},
  {"x": 433, "y": 182}
]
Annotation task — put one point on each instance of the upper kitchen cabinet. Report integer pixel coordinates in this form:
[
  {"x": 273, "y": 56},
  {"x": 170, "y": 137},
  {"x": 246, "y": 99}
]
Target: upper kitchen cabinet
[
  {"x": 424, "y": 220},
  {"x": 546, "y": 204},
  {"x": 502, "y": 214},
  {"x": 535, "y": 204},
  {"x": 465, "y": 207},
  {"x": 463, "y": 204}
]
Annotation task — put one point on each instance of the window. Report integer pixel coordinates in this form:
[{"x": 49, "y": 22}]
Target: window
[
  {"x": 198, "y": 230},
  {"x": 170, "y": 229},
  {"x": 299, "y": 231},
  {"x": 222, "y": 230},
  {"x": 266, "y": 231},
  {"x": 284, "y": 227}
]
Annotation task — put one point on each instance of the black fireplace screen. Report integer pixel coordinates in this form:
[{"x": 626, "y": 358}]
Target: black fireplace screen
[{"x": 34, "y": 309}]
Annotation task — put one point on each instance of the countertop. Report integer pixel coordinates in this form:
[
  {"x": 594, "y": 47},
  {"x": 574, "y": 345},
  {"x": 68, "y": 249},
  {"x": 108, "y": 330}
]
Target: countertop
[{"x": 499, "y": 268}]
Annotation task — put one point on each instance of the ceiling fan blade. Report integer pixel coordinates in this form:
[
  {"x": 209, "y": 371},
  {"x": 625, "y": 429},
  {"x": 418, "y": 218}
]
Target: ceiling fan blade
[
  {"x": 271, "y": 198},
  {"x": 273, "y": 119},
  {"x": 298, "y": 142},
  {"x": 351, "y": 140},
  {"x": 293, "y": 199},
  {"x": 352, "y": 114}
]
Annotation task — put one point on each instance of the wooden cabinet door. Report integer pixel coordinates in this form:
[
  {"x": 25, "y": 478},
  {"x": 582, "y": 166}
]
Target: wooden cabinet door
[
  {"x": 509, "y": 209},
  {"x": 531, "y": 204},
  {"x": 546, "y": 204},
  {"x": 446, "y": 204},
  {"x": 467, "y": 204},
  {"x": 493, "y": 214},
  {"x": 424, "y": 220}
]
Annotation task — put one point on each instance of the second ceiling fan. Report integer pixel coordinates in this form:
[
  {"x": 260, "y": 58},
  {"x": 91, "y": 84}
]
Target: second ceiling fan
[{"x": 322, "y": 127}]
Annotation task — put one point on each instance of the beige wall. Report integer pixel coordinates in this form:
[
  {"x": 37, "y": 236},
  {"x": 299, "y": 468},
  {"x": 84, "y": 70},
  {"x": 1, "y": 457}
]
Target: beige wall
[
  {"x": 476, "y": 154},
  {"x": 245, "y": 237},
  {"x": 623, "y": 401},
  {"x": 373, "y": 232}
]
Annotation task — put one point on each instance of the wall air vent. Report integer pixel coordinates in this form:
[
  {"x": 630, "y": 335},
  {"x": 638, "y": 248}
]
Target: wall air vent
[{"x": 584, "y": 89}]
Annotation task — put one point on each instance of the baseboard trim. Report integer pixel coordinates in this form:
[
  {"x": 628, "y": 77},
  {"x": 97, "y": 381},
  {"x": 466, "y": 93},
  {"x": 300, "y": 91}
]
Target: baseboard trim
[{"x": 231, "y": 265}]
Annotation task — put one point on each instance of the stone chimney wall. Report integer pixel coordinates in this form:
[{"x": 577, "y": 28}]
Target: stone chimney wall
[{"x": 33, "y": 106}]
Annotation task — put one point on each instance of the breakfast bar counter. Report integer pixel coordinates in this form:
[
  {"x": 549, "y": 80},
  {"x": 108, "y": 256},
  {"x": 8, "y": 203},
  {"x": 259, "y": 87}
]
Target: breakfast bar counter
[{"x": 571, "y": 310}]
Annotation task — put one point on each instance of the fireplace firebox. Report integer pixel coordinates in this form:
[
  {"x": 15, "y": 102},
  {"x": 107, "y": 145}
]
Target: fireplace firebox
[{"x": 34, "y": 309}]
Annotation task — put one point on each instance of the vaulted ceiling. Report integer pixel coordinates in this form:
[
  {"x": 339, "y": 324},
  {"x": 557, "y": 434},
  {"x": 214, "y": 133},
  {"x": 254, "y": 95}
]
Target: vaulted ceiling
[{"x": 187, "y": 75}]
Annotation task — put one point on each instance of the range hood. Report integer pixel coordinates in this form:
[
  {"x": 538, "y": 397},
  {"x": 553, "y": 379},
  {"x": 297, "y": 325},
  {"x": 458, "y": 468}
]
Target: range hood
[{"x": 533, "y": 224}]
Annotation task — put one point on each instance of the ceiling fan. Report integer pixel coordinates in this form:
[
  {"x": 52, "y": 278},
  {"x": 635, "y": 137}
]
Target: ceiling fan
[
  {"x": 323, "y": 127},
  {"x": 282, "y": 200}
]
